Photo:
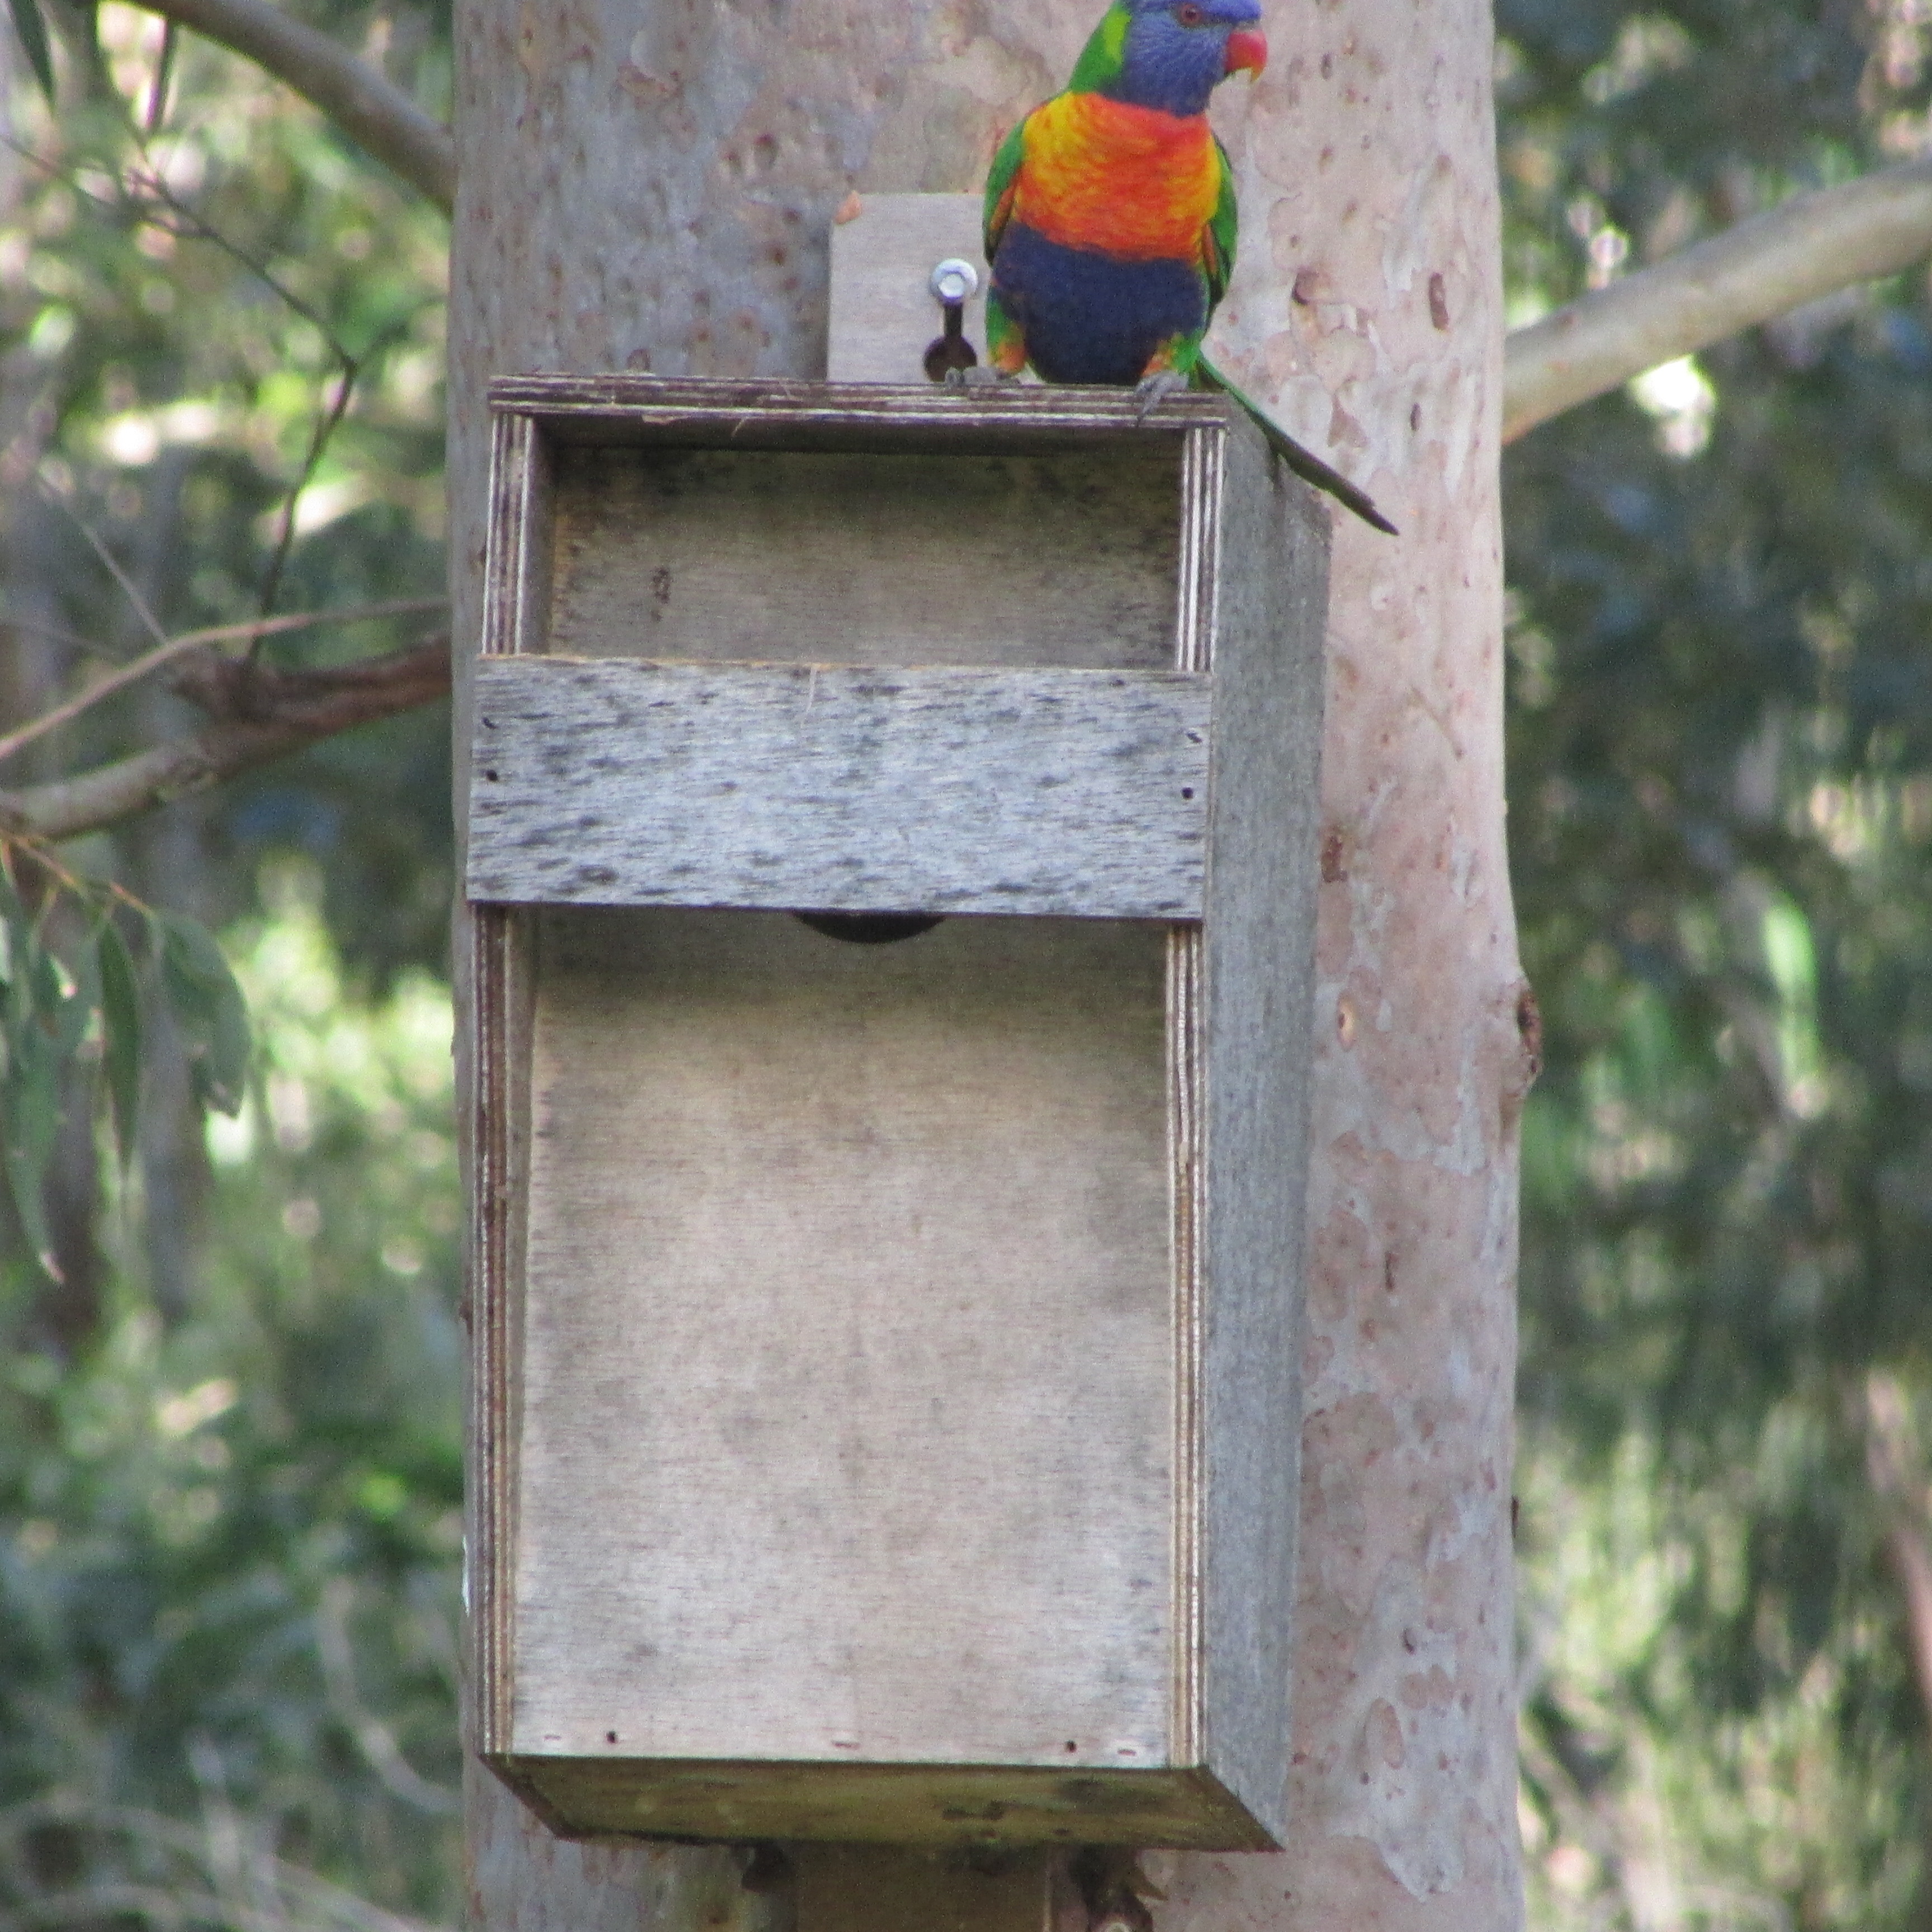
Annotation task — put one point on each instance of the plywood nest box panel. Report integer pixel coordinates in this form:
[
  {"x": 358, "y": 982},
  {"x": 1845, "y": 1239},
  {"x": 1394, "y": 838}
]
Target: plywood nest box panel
[{"x": 886, "y": 1405}]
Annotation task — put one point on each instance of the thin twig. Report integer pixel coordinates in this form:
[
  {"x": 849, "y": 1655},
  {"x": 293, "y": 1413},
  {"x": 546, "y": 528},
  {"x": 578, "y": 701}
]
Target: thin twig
[
  {"x": 325, "y": 427},
  {"x": 375, "y": 1740},
  {"x": 285, "y": 711},
  {"x": 164, "y": 73},
  {"x": 327, "y": 420},
  {"x": 149, "y": 621},
  {"x": 150, "y": 188},
  {"x": 74, "y": 640},
  {"x": 139, "y": 192},
  {"x": 171, "y": 648}
]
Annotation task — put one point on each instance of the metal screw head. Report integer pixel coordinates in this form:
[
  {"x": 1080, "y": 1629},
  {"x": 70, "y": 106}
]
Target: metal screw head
[{"x": 954, "y": 280}]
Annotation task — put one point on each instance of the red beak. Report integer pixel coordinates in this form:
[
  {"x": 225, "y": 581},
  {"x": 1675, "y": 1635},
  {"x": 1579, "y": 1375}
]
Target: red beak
[{"x": 1247, "y": 48}]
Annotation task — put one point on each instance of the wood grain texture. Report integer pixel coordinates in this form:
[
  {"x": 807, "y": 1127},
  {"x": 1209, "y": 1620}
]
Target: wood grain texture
[
  {"x": 1082, "y": 794},
  {"x": 770, "y": 413},
  {"x": 867, "y": 1202},
  {"x": 1268, "y": 589},
  {"x": 503, "y": 992},
  {"x": 991, "y": 1809},
  {"x": 884, "y": 314},
  {"x": 899, "y": 557},
  {"x": 891, "y": 1480}
]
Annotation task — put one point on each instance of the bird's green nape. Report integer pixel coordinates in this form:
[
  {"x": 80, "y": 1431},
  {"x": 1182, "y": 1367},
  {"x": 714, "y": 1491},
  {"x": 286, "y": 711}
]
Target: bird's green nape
[{"x": 1105, "y": 54}]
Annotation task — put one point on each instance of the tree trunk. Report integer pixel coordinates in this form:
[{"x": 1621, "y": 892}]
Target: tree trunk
[
  {"x": 652, "y": 188},
  {"x": 1368, "y": 303}
]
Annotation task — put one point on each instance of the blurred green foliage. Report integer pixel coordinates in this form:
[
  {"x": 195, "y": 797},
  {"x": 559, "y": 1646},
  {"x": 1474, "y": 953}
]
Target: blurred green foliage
[
  {"x": 230, "y": 1444},
  {"x": 228, "y": 1614},
  {"x": 1721, "y": 759},
  {"x": 179, "y": 310}
]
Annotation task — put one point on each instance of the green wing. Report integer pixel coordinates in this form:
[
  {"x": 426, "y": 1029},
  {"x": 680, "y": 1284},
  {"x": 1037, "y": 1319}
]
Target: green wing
[
  {"x": 1217, "y": 251},
  {"x": 1000, "y": 184}
]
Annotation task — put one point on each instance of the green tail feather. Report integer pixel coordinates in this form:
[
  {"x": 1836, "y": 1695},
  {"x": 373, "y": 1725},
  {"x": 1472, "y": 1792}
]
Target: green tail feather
[{"x": 1310, "y": 467}]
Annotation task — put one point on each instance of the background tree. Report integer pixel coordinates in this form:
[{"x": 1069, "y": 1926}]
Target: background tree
[
  {"x": 1718, "y": 755},
  {"x": 229, "y": 1427}
]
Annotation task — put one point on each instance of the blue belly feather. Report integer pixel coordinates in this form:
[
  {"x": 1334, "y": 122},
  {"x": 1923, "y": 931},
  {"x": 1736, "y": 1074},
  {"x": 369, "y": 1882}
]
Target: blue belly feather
[{"x": 1091, "y": 318}]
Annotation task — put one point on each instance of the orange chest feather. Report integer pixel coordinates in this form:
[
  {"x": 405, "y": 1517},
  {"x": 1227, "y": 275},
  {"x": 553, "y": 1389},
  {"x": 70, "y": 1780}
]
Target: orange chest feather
[{"x": 1127, "y": 181}]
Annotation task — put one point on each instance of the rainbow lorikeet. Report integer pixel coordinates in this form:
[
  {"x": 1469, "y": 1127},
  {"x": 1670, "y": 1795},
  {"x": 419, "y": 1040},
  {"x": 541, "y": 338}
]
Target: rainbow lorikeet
[{"x": 1110, "y": 219}]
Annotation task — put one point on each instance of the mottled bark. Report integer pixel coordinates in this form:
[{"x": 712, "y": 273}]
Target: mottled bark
[
  {"x": 1368, "y": 303},
  {"x": 653, "y": 188}
]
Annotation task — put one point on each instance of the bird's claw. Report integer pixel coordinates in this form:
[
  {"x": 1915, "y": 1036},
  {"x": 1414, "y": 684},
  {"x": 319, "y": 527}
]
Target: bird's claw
[
  {"x": 1150, "y": 392},
  {"x": 980, "y": 376}
]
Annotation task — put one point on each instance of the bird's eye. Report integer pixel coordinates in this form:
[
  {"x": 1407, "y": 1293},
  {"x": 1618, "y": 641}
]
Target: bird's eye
[{"x": 1190, "y": 15}]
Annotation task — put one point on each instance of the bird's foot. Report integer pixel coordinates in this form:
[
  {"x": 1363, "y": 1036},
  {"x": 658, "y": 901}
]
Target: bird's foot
[
  {"x": 980, "y": 376},
  {"x": 1151, "y": 391}
]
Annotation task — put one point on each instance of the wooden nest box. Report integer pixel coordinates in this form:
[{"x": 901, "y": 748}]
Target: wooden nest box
[{"x": 886, "y": 1404}]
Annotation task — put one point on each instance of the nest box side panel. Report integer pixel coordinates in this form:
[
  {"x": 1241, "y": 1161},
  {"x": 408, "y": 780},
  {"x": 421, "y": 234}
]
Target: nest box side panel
[
  {"x": 1270, "y": 604},
  {"x": 847, "y": 1372},
  {"x": 501, "y": 987},
  {"x": 502, "y": 991},
  {"x": 878, "y": 558}
]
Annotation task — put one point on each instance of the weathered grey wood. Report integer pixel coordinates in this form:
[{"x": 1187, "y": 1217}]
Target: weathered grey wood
[
  {"x": 1269, "y": 591},
  {"x": 763, "y": 412},
  {"x": 892, "y": 1484},
  {"x": 894, "y": 556},
  {"x": 1080, "y": 793},
  {"x": 815, "y": 1173},
  {"x": 503, "y": 992},
  {"x": 884, "y": 314}
]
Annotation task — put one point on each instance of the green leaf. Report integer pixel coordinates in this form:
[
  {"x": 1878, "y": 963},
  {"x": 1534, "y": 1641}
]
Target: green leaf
[
  {"x": 30, "y": 1122},
  {"x": 40, "y": 980},
  {"x": 33, "y": 32},
  {"x": 209, "y": 1004},
  {"x": 121, "y": 1034},
  {"x": 13, "y": 924},
  {"x": 23, "y": 1183},
  {"x": 76, "y": 983}
]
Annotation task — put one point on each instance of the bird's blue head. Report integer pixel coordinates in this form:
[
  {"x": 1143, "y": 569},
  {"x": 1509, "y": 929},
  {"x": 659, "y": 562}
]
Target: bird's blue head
[{"x": 1171, "y": 54}]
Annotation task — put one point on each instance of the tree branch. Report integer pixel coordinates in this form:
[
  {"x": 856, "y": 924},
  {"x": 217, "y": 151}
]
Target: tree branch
[
  {"x": 1893, "y": 1465},
  {"x": 1911, "y": 1559},
  {"x": 378, "y": 116},
  {"x": 170, "y": 649},
  {"x": 258, "y": 714},
  {"x": 1812, "y": 245}
]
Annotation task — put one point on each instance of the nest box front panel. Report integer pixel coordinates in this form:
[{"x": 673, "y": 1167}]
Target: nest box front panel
[{"x": 848, "y": 1373}]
